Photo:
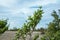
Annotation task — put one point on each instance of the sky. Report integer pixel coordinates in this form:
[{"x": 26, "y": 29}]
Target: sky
[{"x": 17, "y": 11}]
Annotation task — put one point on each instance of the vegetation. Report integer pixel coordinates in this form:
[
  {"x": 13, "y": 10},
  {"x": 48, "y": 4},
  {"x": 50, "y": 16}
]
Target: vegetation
[
  {"x": 53, "y": 31},
  {"x": 36, "y": 37},
  {"x": 30, "y": 25},
  {"x": 3, "y": 26}
]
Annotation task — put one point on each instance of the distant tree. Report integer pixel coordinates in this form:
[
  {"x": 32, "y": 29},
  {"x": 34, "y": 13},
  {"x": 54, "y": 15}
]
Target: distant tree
[
  {"x": 53, "y": 31},
  {"x": 14, "y": 29},
  {"x": 3, "y": 26},
  {"x": 42, "y": 30}
]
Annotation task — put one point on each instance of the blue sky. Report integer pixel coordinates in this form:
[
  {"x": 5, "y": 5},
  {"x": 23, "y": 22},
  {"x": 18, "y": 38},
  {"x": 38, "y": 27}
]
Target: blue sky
[{"x": 18, "y": 11}]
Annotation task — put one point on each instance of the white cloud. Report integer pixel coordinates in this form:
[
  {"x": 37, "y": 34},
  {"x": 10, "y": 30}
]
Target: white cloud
[
  {"x": 21, "y": 12},
  {"x": 15, "y": 3},
  {"x": 7, "y": 3},
  {"x": 42, "y": 2},
  {"x": 23, "y": 7},
  {"x": 37, "y": 3}
]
